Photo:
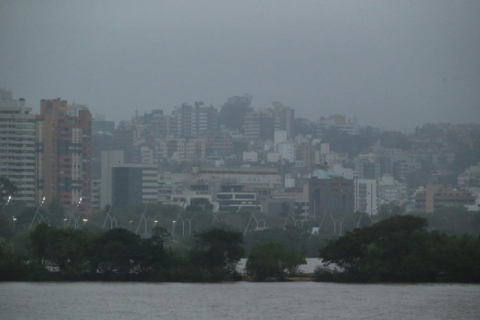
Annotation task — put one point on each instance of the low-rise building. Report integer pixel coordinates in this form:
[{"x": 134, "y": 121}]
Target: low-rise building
[{"x": 434, "y": 197}]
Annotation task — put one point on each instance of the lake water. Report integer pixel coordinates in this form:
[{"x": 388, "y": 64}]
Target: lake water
[{"x": 242, "y": 300}]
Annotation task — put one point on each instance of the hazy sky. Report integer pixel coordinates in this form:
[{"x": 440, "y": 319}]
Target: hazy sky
[{"x": 393, "y": 64}]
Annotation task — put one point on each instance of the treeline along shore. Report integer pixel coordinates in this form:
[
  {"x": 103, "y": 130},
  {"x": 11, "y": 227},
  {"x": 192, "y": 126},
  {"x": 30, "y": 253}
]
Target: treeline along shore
[{"x": 398, "y": 249}]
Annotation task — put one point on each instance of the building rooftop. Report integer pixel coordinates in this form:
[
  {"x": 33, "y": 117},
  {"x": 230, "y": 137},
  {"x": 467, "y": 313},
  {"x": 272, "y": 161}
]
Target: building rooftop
[{"x": 325, "y": 174}]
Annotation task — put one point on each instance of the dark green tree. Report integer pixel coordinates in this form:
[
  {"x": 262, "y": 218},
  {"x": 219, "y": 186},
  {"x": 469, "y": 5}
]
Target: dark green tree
[
  {"x": 7, "y": 188},
  {"x": 200, "y": 205},
  {"x": 292, "y": 238},
  {"x": 55, "y": 212},
  {"x": 66, "y": 250},
  {"x": 273, "y": 260},
  {"x": 113, "y": 255},
  {"x": 39, "y": 242},
  {"x": 395, "y": 249},
  {"x": 152, "y": 260},
  {"x": 12, "y": 266},
  {"x": 232, "y": 112},
  {"x": 218, "y": 252}
]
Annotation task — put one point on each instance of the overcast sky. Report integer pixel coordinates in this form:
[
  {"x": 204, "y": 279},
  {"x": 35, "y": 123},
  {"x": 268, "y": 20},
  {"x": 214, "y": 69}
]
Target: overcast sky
[{"x": 393, "y": 64}]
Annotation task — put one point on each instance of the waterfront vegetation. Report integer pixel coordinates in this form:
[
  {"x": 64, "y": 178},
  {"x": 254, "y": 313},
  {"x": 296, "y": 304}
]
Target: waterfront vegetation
[
  {"x": 201, "y": 246},
  {"x": 121, "y": 255},
  {"x": 401, "y": 249}
]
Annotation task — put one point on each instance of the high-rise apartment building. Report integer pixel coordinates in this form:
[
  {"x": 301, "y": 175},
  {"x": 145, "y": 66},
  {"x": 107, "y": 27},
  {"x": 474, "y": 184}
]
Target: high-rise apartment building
[
  {"x": 259, "y": 124},
  {"x": 366, "y": 196},
  {"x": 124, "y": 138},
  {"x": 17, "y": 146},
  {"x": 157, "y": 125},
  {"x": 283, "y": 118},
  {"x": 195, "y": 122},
  {"x": 64, "y": 155}
]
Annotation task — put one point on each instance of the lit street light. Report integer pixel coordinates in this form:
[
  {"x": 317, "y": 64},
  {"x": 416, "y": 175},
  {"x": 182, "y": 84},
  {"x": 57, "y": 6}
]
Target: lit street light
[
  {"x": 173, "y": 228},
  {"x": 13, "y": 222},
  {"x": 37, "y": 212},
  {"x": 72, "y": 215},
  {"x": 6, "y": 204}
]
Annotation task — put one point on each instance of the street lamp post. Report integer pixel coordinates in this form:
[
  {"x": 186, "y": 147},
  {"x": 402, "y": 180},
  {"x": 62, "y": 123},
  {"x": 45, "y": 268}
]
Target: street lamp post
[
  {"x": 37, "y": 212},
  {"x": 13, "y": 222},
  {"x": 72, "y": 215},
  {"x": 5, "y": 205},
  {"x": 173, "y": 228}
]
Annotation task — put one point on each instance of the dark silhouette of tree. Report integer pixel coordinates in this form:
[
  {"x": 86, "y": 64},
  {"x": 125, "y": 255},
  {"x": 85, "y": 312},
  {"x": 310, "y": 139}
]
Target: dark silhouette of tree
[
  {"x": 273, "y": 260},
  {"x": 113, "y": 254},
  {"x": 395, "y": 249},
  {"x": 7, "y": 188},
  {"x": 232, "y": 112},
  {"x": 218, "y": 251},
  {"x": 200, "y": 205}
]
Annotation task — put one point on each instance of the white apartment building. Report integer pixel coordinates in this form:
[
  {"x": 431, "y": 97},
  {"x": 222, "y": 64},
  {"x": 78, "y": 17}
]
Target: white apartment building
[
  {"x": 17, "y": 146},
  {"x": 366, "y": 199},
  {"x": 287, "y": 151},
  {"x": 390, "y": 190}
]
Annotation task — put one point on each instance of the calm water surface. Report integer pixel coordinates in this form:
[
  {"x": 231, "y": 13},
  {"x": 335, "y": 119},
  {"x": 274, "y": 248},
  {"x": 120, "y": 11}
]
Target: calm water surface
[{"x": 119, "y": 301}]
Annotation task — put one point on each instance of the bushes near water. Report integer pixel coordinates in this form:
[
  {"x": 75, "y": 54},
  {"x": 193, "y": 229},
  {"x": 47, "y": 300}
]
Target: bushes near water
[
  {"x": 400, "y": 249},
  {"x": 120, "y": 255}
]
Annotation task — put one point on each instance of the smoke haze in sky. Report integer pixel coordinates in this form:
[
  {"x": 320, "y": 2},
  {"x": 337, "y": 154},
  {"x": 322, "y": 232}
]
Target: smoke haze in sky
[{"x": 392, "y": 64}]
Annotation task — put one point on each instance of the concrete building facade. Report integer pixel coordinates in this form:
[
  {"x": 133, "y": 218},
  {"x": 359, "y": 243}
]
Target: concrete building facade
[
  {"x": 17, "y": 146},
  {"x": 366, "y": 196},
  {"x": 134, "y": 184},
  {"x": 330, "y": 193},
  {"x": 64, "y": 155}
]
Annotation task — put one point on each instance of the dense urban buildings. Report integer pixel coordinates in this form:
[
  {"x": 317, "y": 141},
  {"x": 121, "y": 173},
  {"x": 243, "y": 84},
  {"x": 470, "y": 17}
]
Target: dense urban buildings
[
  {"x": 435, "y": 196},
  {"x": 263, "y": 160}
]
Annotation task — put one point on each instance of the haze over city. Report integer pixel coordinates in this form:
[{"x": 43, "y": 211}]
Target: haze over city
[
  {"x": 185, "y": 159},
  {"x": 391, "y": 64}
]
